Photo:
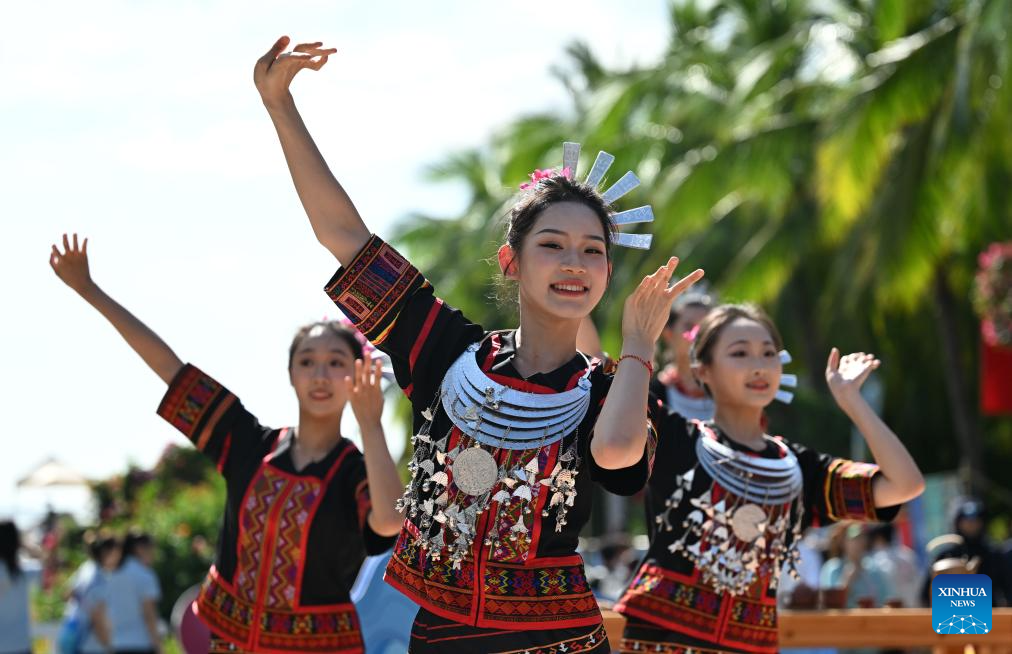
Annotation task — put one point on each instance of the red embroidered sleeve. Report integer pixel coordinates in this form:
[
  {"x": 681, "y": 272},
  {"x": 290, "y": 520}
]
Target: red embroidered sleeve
[
  {"x": 397, "y": 309},
  {"x": 848, "y": 491},
  {"x": 195, "y": 404},
  {"x": 212, "y": 418}
]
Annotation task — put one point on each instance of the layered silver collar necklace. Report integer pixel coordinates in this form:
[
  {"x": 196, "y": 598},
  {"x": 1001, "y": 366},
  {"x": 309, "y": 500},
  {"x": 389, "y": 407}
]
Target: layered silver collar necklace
[
  {"x": 451, "y": 488},
  {"x": 743, "y": 535}
]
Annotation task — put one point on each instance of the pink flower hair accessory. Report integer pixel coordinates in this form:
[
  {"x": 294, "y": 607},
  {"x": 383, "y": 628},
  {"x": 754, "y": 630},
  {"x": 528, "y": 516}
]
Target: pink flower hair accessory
[
  {"x": 626, "y": 183},
  {"x": 367, "y": 347},
  {"x": 547, "y": 173}
]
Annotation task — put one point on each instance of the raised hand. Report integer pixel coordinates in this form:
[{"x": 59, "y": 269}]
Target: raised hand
[
  {"x": 274, "y": 71},
  {"x": 647, "y": 308},
  {"x": 846, "y": 375},
  {"x": 364, "y": 392},
  {"x": 71, "y": 265}
]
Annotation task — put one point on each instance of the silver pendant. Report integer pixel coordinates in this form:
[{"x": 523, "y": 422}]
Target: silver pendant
[
  {"x": 746, "y": 522},
  {"x": 475, "y": 471}
]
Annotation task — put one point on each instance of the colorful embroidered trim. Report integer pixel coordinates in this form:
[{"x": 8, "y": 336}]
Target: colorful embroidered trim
[
  {"x": 683, "y": 604},
  {"x": 312, "y": 629},
  {"x": 194, "y": 404},
  {"x": 371, "y": 286},
  {"x": 848, "y": 490},
  {"x": 513, "y": 596}
]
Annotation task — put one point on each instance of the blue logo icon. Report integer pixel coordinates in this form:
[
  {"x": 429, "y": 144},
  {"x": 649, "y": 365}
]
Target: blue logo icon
[{"x": 961, "y": 604}]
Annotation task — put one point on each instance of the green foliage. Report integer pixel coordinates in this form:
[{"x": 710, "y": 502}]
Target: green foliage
[{"x": 840, "y": 162}]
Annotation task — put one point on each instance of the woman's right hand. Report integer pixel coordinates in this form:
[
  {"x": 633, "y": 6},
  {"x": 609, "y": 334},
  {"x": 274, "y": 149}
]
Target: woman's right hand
[
  {"x": 274, "y": 71},
  {"x": 71, "y": 265}
]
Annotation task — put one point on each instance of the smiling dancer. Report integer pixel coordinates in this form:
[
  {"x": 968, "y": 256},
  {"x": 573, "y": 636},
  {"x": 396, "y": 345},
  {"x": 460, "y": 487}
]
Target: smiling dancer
[
  {"x": 303, "y": 506},
  {"x": 512, "y": 427},
  {"x": 729, "y": 502}
]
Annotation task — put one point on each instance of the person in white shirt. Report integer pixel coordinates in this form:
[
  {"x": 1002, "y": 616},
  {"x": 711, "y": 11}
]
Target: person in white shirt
[
  {"x": 134, "y": 593},
  {"x": 88, "y": 602},
  {"x": 15, "y": 579}
]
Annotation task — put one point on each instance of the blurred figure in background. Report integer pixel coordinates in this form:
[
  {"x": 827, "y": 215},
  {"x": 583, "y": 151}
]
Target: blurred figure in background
[
  {"x": 971, "y": 543},
  {"x": 897, "y": 563},
  {"x": 15, "y": 579},
  {"x": 85, "y": 627},
  {"x": 854, "y": 572},
  {"x": 675, "y": 385},
  {"x": 134, "y": 593}
]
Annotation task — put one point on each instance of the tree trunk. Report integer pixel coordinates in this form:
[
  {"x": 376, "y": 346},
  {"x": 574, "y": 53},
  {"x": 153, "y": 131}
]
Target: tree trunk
[{"x": 964, "y": 418}]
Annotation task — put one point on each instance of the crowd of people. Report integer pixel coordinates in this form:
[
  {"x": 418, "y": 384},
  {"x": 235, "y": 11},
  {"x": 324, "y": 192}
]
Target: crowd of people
[{"x": 111, "y": 599}]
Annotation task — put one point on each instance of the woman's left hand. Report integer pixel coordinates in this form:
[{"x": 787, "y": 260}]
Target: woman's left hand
[
  {"x": 846, "y": 375},
  {"x": 364, "y": 392},
  {"x": 646, "y": 310}
]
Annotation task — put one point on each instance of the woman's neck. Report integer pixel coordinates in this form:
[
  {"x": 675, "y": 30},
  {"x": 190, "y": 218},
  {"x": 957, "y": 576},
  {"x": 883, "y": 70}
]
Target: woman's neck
[
  {"x": 543, "y": 344},
  {"x": 742, "y": 424},
  {"x": 685, "y": 376},
  {"x": 316, "y": 436}
]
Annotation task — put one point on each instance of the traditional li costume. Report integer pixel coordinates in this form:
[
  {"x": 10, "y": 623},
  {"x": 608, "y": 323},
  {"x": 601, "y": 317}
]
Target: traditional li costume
[
  {"x": 502, "y": 470},
  {"x": 291, "y": 540},
  {"x": 724, "y": 522}
]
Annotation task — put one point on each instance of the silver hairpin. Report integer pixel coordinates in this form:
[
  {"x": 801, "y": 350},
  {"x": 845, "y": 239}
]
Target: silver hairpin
[{"x": 626, "y": 183}]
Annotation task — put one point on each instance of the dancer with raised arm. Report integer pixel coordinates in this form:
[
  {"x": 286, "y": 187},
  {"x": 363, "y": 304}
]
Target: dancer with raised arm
[
  {"x": 511, "y": 427},
  {"x": 303, "y": 505},
  {"x": 729, "y": 502}
]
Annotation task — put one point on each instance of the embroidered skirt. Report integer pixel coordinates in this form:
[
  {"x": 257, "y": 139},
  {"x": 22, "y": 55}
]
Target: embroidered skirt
[
  {"x": 432, "y": 634},
  {"x": 641, "y": 637}
]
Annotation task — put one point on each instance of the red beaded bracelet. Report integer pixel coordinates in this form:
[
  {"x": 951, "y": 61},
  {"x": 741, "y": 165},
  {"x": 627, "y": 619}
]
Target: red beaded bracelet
[{"x": 649, "y": 366}]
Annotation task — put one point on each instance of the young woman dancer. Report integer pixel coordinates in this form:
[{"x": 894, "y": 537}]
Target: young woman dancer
[
  {"x": 729, "y": 502},
  {"x": 512, "y": 427},
  {"x": 303, "y": 506}
]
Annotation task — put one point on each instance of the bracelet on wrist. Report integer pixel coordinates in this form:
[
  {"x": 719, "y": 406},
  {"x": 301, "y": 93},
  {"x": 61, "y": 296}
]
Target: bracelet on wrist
[{"x": 649, "y": 366}]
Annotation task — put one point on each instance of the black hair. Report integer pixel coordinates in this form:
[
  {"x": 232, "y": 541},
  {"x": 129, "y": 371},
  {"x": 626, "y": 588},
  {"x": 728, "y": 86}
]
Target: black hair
[
  {"x": 10, "y": 545},
  {"x": 337, "y": 328},
  {"x": 134, "y": 540},
  {"x": 546, "y": 192}
]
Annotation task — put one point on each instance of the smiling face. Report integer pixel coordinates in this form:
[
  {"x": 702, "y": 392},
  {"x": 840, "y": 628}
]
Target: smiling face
[
  {"x": 562, "y": 266},
  {"x": 743, "y": 367},
  {"x": 320, "y": 362}
]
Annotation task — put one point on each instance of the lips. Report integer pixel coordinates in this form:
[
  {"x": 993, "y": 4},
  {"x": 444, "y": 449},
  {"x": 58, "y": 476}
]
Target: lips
[
  {"x": 320, "y": 395},
  {"x": 570, "y": 288},
  {"x": 758, "y": 385}
]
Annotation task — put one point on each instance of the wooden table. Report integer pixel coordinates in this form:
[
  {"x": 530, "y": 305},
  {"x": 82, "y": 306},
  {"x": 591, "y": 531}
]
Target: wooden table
[{"x": 898, "y": 628}]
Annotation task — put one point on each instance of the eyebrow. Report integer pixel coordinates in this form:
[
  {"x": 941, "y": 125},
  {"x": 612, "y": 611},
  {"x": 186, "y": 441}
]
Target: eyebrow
[
  {"x": 742, "y": 340},
  {"x": 549, "y": 230},
  {"x": 310, "y": 350}
]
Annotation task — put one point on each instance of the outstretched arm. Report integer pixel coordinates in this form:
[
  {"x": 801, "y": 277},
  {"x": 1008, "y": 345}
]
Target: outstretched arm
[
  {"x": 617, "y": 443},
  {"x": 71, "y": 266},
  {"x": 366, "y": 399},
  {"x": 900, "y": 479},
  {"x": 336, "y": 223}
]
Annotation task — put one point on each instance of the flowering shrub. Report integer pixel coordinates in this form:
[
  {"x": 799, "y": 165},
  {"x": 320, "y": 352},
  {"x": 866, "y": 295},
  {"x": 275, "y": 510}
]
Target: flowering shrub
[{"x": 992, "y": 296}]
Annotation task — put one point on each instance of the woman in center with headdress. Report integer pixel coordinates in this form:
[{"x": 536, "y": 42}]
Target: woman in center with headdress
[{"x": 511, "y": 427}]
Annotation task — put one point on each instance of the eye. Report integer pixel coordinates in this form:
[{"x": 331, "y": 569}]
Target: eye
[
  {"x": 593, "y": 250},
  {"x": 337, "y": 363},
  {"x": 769, "y": 353},
  {"x": 739, "y": 353},
  {"x": 305, "y": 363},
  {"x": 551, "y": 244}
]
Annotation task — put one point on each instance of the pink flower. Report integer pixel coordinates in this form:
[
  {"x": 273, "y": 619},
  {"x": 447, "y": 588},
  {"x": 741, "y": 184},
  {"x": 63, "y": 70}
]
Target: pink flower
[
  {"x": 690, "y": 335},
  {"x": 547, "y": 173}
]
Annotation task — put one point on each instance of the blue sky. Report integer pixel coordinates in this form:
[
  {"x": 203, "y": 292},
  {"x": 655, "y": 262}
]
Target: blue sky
[{"x": 137, "y": 124}]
